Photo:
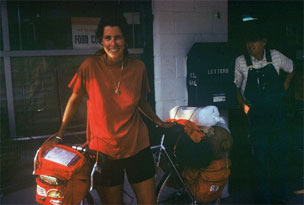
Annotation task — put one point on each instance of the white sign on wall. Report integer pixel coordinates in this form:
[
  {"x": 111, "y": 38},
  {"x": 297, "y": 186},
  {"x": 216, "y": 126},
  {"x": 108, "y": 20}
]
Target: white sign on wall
[{"x": 83, "y": 32}]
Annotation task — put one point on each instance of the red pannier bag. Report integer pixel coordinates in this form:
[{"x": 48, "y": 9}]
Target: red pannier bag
[
  {"x": 207, "y": 184},
  {"x": 62, "y": 175}
]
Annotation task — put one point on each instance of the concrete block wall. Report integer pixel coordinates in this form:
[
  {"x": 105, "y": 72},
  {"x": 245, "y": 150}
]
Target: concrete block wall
[{"x": 177, "y": 25}]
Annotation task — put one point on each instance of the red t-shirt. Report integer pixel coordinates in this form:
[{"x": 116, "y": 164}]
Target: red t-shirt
[{"x": 114, "y": 124}]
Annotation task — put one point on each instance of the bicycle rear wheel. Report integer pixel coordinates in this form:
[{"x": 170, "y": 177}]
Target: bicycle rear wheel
[{"x": 171, "y": 191}]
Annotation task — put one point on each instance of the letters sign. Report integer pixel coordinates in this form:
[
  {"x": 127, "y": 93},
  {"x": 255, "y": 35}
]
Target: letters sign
[{"x": 83, "y": 32}]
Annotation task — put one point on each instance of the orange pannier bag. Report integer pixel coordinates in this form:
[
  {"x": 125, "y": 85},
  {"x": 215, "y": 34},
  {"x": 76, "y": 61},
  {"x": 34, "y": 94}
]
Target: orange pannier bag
[
  {"x": 207, "y": 184},
  {"x": 69, "y": 167}
]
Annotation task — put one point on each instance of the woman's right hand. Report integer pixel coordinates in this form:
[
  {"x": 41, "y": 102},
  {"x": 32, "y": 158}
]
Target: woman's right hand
[
  {"x": 246, "y": 108},
  {"x": 59, "y": 136},
  {"x": 57, "y": 139}
]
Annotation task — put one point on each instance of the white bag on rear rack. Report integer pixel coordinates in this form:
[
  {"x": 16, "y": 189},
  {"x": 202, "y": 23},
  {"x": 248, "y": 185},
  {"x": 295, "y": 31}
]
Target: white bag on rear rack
[{"x": 204, "y": 116}]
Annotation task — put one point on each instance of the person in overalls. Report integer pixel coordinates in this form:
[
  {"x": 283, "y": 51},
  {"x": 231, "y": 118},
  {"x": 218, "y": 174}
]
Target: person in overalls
[{"x": 260, "y": 92}]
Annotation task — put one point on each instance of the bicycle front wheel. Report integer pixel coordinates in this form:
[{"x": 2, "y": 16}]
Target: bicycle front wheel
[
  {"x": 91, "y": 198},
  {"x": 87, "y": 200},
  {"x": 171, "y": 191}
]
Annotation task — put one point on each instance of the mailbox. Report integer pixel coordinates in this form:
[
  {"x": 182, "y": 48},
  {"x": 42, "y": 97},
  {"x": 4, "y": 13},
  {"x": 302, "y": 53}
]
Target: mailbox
[{"x": 210, "y": 75}]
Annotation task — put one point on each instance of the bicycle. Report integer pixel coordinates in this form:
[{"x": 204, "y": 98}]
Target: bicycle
[{"x": 170, "y": 186}]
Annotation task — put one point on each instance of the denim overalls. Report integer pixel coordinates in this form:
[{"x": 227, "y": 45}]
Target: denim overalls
[{"x": 264, "y": 94}]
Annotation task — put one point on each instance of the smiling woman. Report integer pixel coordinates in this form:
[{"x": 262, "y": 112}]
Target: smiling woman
[{"x": 115, "y": 87}]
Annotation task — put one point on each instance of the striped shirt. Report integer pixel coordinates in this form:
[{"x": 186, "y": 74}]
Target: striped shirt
[{"x": 279, "y": 61}]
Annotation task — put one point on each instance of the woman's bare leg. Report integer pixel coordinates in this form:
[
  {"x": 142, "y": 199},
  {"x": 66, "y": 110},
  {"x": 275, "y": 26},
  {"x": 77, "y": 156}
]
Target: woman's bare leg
[
  {"x": 145, "y": 191},
  {"x": 111, "y": 194}
]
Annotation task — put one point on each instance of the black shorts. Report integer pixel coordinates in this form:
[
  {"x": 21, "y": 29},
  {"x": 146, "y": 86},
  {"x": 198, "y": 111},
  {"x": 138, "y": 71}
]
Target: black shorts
[{"x": 138, "y": 168}]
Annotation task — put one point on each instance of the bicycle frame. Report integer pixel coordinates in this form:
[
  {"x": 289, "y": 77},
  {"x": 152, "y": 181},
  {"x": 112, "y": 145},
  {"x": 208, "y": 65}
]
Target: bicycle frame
[{"x": 162, "y": 151}]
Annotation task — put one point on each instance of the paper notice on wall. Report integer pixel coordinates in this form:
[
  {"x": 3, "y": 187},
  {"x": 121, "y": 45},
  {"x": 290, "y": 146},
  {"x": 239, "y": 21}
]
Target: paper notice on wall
[{"x": 83, "y": 32}]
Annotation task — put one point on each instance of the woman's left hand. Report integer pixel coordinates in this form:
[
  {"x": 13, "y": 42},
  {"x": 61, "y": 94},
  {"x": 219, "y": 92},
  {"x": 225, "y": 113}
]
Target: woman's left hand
[{"x": 167, "y": 124}]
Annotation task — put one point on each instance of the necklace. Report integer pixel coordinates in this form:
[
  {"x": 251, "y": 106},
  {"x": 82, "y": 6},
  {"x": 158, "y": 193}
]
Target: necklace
[{"x": 117, "y": 85}]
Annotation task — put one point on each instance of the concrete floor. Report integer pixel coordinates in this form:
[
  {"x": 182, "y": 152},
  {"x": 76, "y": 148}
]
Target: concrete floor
[{"x": 26, "y": 195}]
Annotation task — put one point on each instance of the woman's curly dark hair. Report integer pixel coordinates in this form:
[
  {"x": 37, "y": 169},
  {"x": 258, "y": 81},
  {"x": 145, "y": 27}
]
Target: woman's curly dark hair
[{"x": 115, "y": 19}]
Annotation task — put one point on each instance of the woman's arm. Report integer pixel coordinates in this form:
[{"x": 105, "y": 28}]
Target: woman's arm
[
  {"x": 146, "y": 109},
  {"x": 70, "y": 110}
]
